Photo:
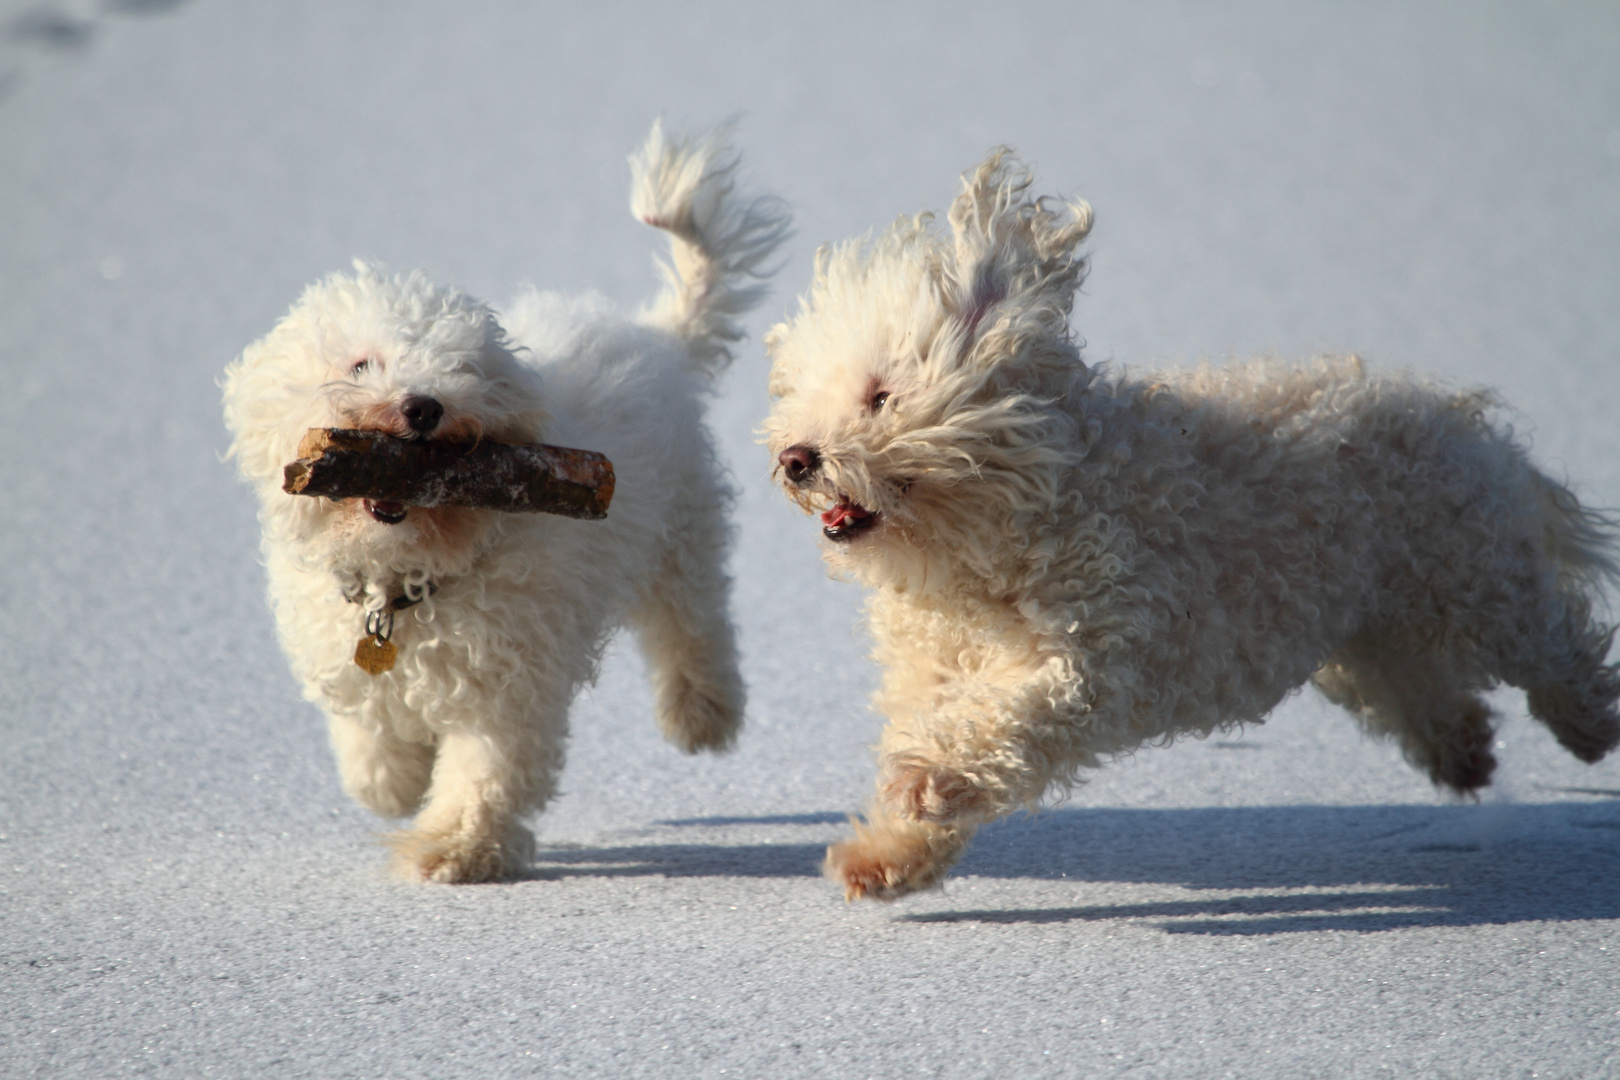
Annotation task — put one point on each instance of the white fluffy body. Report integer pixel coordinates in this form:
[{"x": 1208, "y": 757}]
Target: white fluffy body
[
  {"x": 1067, "y": 564},
  {"x": 468, "y": 729}
]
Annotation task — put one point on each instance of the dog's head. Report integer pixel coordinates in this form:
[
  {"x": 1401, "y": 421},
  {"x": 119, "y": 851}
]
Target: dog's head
[
  {"x": 914, "y": 391},
  {"x": 398, "y": 354}
]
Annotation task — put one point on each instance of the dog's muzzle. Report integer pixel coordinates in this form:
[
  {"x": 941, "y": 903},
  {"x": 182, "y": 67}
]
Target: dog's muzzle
[{"x": 847, "y": 519}]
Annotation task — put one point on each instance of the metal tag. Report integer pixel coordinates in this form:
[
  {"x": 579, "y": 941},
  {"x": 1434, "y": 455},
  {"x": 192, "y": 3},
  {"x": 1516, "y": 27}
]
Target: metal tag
[{"x": 376, "y": 655}]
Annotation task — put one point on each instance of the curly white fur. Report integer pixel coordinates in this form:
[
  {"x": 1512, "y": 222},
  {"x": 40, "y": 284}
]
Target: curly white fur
[
  {"x": 469, "y": 726},
  {"x": 1067, "y": 564}
]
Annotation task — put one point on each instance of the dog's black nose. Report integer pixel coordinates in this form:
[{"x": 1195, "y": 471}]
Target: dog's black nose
[
  {"x": 798, "y": 462},
  {"x": 422, "y": 413}
]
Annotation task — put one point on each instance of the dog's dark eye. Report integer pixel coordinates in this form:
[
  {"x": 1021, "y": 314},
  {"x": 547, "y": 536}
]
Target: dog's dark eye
[
  {"x": 878, "y": 399},
  {"x": 359, "y": 366}
]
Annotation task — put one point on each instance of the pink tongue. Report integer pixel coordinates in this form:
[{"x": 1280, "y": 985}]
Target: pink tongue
[{"x": 843, "y": 512}]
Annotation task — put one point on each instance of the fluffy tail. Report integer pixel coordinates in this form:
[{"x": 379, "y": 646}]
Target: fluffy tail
[{"x": 719, "y": 243}]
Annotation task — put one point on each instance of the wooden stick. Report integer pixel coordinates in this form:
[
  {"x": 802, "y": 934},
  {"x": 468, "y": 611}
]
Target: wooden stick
[{"x": 518, "y": 478}]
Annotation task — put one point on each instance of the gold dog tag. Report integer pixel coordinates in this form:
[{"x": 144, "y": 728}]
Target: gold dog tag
[{"x": 375, "y": 655}]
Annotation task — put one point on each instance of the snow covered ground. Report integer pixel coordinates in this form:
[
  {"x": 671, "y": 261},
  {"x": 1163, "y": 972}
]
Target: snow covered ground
[{"x": 184, "y": 891}]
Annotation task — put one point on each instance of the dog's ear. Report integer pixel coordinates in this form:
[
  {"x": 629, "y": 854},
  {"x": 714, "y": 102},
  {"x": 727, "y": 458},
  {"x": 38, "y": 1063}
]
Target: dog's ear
[{"x": 1015, "y": 256}]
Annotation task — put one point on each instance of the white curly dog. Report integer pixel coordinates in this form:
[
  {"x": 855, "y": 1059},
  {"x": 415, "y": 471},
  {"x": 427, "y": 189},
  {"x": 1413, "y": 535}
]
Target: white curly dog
[
  {"x": 501, "y": 617},
  {"x": 1067, "y": 563}
]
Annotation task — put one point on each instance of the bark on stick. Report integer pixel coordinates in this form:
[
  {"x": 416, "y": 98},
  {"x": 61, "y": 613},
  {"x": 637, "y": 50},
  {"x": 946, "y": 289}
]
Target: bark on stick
[{"x": 518, "y": 478}]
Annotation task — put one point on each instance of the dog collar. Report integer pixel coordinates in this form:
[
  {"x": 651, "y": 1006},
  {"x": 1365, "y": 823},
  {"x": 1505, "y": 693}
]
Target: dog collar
[
  {"x": 374, "y": 653},
  {"x": 398, "y": 603},
  {"x": 354, "y": 591}
]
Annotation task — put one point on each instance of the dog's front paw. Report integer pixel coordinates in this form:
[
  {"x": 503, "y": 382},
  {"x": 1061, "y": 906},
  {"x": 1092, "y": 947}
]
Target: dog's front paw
[
  {"x": 461, "y": 858},
  {"x": 886, "y": 859},
  {"x": 696, "y": 720},
  {"x": 927, "y": 791}
]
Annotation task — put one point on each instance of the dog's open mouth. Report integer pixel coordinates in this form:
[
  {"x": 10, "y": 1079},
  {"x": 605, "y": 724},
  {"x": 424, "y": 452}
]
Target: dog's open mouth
[
  {"x": 389, "y": 513},
  {"x": 847, "y": 520}
]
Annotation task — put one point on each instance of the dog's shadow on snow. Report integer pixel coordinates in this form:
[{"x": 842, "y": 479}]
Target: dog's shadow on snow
[
  {"x": 697, "y": 859},
  {"x": 1268, "y": 870}
]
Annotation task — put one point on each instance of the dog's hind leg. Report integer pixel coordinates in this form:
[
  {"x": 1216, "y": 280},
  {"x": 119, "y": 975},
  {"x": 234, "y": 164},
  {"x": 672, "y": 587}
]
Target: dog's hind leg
[
  {"x": 1555, "y": 650},
  {"x": 1421, "y": 698},
  {"x": 381, "y": 771},
  {"x": 1556, "y": 654},
  {"x": 687, "y": 638}
]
